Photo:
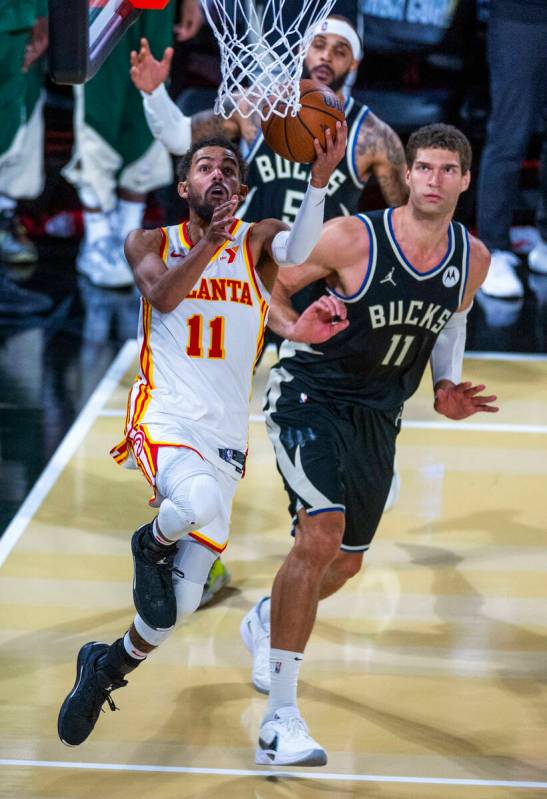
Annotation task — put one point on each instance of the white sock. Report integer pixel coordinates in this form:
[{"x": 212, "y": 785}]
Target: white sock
[
  {"x": 130, "y": 216},
  {"x": 159, "y": 536},
  {"x": 284, "y": 669},
  {"x": 95, "y": 226},
  {"x": 131, "y": 649},
  {"x": 7, "y": 203}
]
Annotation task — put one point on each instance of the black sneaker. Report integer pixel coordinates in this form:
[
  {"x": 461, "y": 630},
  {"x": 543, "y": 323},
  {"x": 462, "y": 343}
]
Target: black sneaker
[
  {"x": 153, "y": 592},
  {"x": 80, "y": 710}
]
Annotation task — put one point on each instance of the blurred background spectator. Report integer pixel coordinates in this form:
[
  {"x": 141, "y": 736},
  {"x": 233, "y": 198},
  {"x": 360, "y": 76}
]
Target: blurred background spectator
[
  {"x": 517, "y": 60},
  {"x": 23, "y": 39}
]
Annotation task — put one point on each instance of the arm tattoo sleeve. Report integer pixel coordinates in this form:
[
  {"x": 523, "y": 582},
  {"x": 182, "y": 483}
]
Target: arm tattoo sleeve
[
  {"x": 379, "y": 150},
  {"x": 206, "y": 124}
]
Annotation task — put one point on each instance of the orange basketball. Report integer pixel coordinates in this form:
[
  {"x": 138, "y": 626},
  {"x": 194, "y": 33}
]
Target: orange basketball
[{"x": 292, "y": 137}]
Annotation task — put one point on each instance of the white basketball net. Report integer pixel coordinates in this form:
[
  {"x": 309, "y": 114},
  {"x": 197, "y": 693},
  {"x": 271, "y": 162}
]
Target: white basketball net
[{"x": 262, "y": 54}]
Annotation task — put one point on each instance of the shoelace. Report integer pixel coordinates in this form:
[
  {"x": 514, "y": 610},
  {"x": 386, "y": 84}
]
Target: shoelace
[
  {"x": 296, "y": 726},
  {"x": 107, "y": 693},
  {"x": 111, "y": 704}
]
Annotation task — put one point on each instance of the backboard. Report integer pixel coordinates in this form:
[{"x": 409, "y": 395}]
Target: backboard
[{"x": 82, "y": 33}]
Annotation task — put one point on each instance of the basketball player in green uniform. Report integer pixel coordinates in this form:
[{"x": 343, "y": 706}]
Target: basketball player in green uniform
[
  {"x": 400, "y": 284},
  {"x": 116, "y": 160}
]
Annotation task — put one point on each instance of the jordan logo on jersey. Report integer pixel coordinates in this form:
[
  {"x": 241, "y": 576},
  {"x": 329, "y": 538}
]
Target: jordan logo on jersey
[
  {"x": 451, "y": 276},
  {"x": 389, "y": 277}
]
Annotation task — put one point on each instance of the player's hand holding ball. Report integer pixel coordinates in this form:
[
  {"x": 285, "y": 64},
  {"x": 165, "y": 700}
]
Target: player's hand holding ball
[
  {"x": 318, "y": 132},
  {"x": 326, "y": 159}
]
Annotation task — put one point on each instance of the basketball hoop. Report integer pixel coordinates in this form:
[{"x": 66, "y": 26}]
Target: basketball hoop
[{"x": 262, "y": 54}]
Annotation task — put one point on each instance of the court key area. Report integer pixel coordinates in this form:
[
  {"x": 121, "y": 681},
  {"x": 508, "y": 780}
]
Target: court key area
[{"x": 424, "y": 677}]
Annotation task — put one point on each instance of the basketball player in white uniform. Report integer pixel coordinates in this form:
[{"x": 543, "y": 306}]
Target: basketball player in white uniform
[{"x": 205, "y": 288}]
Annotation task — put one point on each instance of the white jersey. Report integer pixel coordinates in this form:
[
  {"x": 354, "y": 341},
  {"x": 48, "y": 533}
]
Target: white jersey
[{"x": 197, "y": 361}]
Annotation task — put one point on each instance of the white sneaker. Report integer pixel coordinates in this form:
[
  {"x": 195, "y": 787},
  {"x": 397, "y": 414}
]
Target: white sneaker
[
  {"x": 501, "y": 280},
  {"x": 285, "y": 741},
  {"x": 537, "y": 258},
  {"x": 104, "y": 263},
  {"x": 394, "y": 490},
  {"x": 256, "y": 637}
]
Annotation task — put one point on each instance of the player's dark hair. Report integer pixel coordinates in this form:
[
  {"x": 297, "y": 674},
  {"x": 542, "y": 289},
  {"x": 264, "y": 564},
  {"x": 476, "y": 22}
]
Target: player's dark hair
[
  {"x": 185, "y": 161},
  {"x": 440, "y": 137}
]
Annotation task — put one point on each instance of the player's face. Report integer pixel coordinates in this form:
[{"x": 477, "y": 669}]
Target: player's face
[
  {"x": 329, "y": 60},
  {"x": 213, "y": 178},
  {"x": 436, "y": 181}
]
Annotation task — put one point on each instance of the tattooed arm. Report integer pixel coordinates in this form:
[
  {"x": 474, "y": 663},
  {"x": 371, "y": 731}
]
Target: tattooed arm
[
  {"x": 379, "y": 150},
  {"x": 206, "y": 124}
]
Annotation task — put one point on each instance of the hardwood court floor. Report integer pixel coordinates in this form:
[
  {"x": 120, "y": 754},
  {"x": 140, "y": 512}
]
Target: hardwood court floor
[{"x": 425, "y": 676}]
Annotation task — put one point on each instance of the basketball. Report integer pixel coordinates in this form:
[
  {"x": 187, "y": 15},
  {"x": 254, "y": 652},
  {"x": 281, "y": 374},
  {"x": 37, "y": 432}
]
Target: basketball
[{"x": 292, "y": 137}]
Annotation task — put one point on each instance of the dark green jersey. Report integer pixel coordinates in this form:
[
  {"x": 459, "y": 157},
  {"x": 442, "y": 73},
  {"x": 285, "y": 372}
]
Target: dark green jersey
[
  {"x": 277, "y": 186},
  {"x": 395, "y": 318},
  {"x": 16, "y": 15}
]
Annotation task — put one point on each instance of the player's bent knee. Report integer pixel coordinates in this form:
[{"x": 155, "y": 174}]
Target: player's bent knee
[
  {"x": 149, "y": 634},
  {"x": 321, "y": 534},
  {"x": 205, "y": 498},
  {"x": 195, "y": 504},
  {"x": 349, "y": 564}
]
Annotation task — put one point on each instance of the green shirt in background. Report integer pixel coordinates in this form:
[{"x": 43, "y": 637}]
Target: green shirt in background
[{"x": 16, "y": 15}]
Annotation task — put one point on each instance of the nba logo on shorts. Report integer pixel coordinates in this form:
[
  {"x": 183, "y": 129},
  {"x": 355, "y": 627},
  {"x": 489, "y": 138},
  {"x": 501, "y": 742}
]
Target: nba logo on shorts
[
  {"x": 276, "y": 667},
  {"x": 451, "y": 276}
]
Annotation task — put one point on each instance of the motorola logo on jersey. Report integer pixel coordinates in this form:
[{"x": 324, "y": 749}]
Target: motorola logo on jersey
[{"x": 451, "y": 276}]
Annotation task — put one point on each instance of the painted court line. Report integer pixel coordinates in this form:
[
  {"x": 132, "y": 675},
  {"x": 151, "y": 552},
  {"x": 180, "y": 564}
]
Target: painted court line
[
  {"x": 67, "y": 447},
  {"x": 417, "y": 424},
  {"x": 506, "y": 356},
  {"x": 301, "y": 775}
]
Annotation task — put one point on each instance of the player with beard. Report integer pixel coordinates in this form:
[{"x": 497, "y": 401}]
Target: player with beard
[
  {"x": 205, "y": 288},
  {"x": 277, "y": 186}
]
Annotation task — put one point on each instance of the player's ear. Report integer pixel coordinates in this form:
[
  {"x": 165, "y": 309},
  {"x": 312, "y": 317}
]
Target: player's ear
[
  {"x": 466, "y": 180},
  {"x": 182, "y": 189},
  {"x": 243, "y": 191}
]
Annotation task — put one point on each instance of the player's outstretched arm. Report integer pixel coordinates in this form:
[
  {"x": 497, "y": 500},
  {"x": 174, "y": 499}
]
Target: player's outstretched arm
[
  {"x": 294, "y": 246},
  {"x": 165, "y": 119},
  {"x": 165, "y": 288},
  {"x": 453, "y": 398},
  {"x": 327, "y": 316}
]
